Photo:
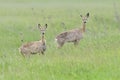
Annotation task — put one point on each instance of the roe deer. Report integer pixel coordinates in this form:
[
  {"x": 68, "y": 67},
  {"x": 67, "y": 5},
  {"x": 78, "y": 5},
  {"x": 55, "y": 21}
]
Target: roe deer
[
  {"x": 73, "y": 35},
  {"x": 35, "y": 46}
]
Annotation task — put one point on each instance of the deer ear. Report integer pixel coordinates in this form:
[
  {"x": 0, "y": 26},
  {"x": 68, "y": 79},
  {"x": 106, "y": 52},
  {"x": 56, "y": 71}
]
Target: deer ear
[
  {"x": 46, "y": 25},
  {"x": 39, "y": 26},
  {"x": 87, "y": 15},
  {"x": 80, "y": 15}
]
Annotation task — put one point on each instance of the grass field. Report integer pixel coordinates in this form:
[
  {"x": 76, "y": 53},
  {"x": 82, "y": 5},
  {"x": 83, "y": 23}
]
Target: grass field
[{"x": 97, "y": 57}]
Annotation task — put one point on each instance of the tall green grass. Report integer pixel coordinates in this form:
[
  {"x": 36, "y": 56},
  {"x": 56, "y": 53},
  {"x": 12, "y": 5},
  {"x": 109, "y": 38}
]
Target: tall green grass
[{"x": 95, "y": 58}]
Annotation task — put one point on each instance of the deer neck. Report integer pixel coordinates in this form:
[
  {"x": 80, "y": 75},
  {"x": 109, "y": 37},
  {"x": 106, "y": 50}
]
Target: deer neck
[
  {"x": 83, "y": 27},
  {"x": 43, "y": 40}
]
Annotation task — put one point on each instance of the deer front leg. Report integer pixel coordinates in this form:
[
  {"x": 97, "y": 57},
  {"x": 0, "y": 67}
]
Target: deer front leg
[
  {"x": 42, "y": 52},
  {"x": 76, "y": 42}
]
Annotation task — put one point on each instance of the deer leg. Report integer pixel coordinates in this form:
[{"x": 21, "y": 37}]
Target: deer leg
[
  {"x": 76, "y": 42},
  {"x": 60, "y": 44},
  {"x": 42, "y": 53},
  {"x": 23, "y": 55},
  {"x": 28, "y": 55}
]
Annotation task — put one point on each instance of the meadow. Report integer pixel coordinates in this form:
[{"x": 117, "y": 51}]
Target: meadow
[{"x": 97, "y": 57}]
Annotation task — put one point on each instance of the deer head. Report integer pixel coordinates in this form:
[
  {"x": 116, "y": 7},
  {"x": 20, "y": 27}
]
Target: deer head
[
  {"x": 84, "y": 18},
  {"x": 42, "y": 29}
]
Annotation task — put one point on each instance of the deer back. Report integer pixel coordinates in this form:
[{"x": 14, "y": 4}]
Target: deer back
[
  {"x": 70, "y": 36},
  {"x": 33, "y": 47}
]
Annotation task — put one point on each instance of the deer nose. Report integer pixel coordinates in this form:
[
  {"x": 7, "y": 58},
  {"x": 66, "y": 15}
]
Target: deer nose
[
  {"x": 43, "y": 33},
  {"x": 85, "y": 22}
]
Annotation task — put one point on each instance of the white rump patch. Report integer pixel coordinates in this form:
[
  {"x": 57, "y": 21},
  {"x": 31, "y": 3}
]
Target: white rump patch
[{"x": 56, "y": 40}]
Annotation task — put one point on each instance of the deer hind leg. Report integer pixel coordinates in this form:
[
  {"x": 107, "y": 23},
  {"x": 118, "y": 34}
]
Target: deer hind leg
[
  {"x": 23, "y": 55},
  {"x": 60, "y": 44},
  {"x": 28, "y": 55}
]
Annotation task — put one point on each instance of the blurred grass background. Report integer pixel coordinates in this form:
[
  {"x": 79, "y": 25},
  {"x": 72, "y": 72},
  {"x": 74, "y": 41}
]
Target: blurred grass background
[{"x": 95, "y": 58}]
